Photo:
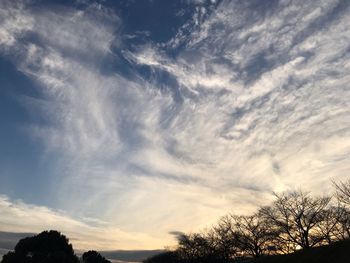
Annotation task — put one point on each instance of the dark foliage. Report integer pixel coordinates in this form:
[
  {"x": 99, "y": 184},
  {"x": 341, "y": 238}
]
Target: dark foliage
[
  {"x": 47, "y": 247},
  {"x": 168, "y": 256},
  {"x": 93, "y": 257}
]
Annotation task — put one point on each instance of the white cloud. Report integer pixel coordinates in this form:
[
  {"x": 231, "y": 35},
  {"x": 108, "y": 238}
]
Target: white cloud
[
  {"x": 261, "y": 88},
  {"x": 13, "y": 22},
  {"x": 263, "y": 106},
  {"x": 83, "y": 233}
]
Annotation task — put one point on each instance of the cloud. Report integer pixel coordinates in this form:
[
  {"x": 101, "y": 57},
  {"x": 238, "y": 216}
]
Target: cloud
[
  {"x": 254, "y": 101},
  {"x": 14, "y": 23},
  {"x": 260, "y": 86},
  {"x": 84, "y": 234},
  {"x": 8, "y": 240}
]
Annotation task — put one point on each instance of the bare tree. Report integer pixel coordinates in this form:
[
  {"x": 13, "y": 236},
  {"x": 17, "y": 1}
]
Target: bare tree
[
  {"x": 225, "y": 240},
  {"x": 195, "y": 248},
  {"x": 293, "y": 221},
  {"x": 329, "y": 227},
  {"x": 296, "y": 215},
  {"x": 343, "y": 192},
  {"x": 343, "y": 226},
  {"x": 254, "y": 236}
]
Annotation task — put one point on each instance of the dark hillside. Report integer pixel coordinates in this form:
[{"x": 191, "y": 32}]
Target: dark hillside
[{"x": 338, "y": 252}]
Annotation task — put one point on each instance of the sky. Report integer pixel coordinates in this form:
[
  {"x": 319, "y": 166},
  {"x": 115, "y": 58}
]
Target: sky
[{"x": 122, "y": 122}]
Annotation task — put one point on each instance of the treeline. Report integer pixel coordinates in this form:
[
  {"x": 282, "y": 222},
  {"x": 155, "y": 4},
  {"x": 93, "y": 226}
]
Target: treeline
[
  {"x": 49, "y": 247},
  {"x": 295, "y": 220}
]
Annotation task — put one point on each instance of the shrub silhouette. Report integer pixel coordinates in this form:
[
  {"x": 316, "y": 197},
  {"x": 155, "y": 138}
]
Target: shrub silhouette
[
  {"x": 93, "y": 257},
  {"x": 168, "y": 257},
  {"x": 46, "y": 247}
]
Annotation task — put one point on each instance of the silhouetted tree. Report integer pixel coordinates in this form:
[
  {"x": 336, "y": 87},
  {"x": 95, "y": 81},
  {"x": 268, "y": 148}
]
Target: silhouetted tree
[
  {"x": 330, "y": 228},
  {"x": 165, "y": 257},
  {"x": 254, "y": 236},
  {"x": 47, "y": 247},
  {"x": 195, "y": 248},
  {"x": 343, "y": 192},
  {"x": 343, "y": 226},
  {"x": 11, "y": 257},
  {"x": 343, "y": 196},
  {"x": 224, "y": 239},
  {"x": 296, "y": 216},
  {"x": 93, "y": 256},
  {"x": 293, "y": 221}
]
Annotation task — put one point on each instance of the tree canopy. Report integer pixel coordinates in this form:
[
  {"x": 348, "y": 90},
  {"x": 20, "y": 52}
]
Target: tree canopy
[
  {"x": 46, "y": 247},
  {"x": 93, "y": 257}
]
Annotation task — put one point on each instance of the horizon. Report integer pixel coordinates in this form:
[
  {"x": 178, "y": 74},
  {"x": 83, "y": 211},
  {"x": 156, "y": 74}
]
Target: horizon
[{"x": 126, "y": 122}]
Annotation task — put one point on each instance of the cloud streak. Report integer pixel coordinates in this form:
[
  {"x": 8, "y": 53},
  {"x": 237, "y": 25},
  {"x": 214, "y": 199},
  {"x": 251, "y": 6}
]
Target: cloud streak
[{"x": 256, "y": 100}]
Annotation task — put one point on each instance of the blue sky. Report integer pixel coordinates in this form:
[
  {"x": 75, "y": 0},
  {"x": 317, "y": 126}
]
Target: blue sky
[{"x": 122, "y": 121}]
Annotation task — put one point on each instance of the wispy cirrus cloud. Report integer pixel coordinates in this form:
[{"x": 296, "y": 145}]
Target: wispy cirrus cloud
[
  {"x": 14, "y": 22},
  {"x": 256, "y": 100},
  {"x": 262, "y": 71}
]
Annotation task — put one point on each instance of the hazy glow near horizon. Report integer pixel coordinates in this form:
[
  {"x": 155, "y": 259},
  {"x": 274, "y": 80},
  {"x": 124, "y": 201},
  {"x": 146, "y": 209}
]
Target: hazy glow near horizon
[{"x": 140, "y": 136}]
